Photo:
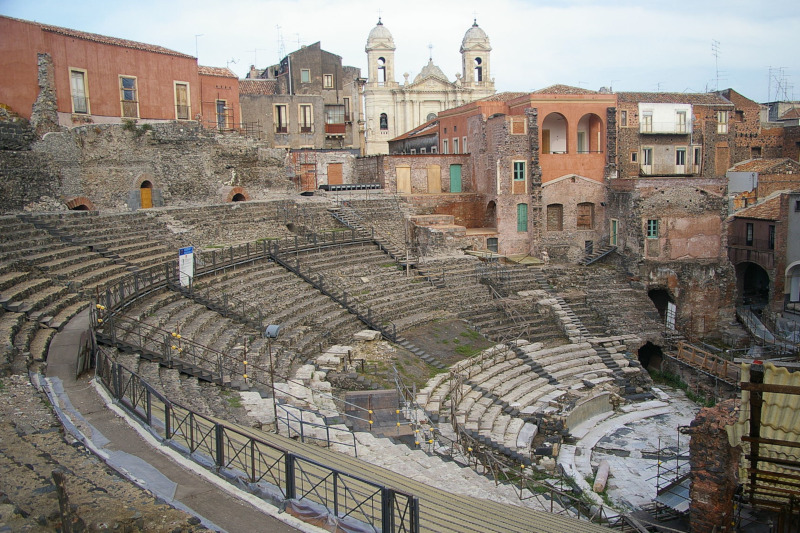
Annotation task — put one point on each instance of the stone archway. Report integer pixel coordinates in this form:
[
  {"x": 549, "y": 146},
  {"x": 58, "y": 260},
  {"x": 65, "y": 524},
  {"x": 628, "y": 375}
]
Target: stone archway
[
  {"x": 650, "y": 355},
  {"x": 662, "y": 299},
  {"x": 80, "y": 203},
  {"x": 237, "y": 194},
  {"x": 490, "y": 217},
  {"x": 754, "y": 285}
]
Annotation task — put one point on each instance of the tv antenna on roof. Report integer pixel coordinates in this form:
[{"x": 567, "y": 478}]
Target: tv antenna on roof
[
  {"x": 281, "y": 44},
  {"x": 715, "y": 53},
  {"x": 430, "y": 51}
]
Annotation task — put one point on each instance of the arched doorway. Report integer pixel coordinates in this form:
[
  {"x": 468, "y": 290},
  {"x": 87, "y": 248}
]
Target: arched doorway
[
  {"x": 650, "y": 355},
  {"x": 590, "y": 134},
  {"x": 238, "y": 197},
  {"x": 665, "y": 305},
  {"x": 80, "y": 203},
  {"x": 146, "y": 194},
  {"x": 754, "y": 283},
  {"x": 554, "y": 134},
  {"x": 490, "y": 218}
]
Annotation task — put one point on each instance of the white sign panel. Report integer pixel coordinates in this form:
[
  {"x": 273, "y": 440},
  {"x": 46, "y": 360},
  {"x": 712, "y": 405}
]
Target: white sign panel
[{"x": 186, "y": 265}]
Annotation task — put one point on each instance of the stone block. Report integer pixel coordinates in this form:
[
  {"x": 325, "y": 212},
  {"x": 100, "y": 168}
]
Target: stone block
[{"x": 367, "y": 335}]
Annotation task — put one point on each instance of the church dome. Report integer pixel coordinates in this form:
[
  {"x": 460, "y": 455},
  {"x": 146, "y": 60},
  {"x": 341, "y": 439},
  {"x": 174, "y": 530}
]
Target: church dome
[
  {"x": 380, "y": 35},
  {"x": 430, "y": 70},
  {"x": 475, "y": 36}
]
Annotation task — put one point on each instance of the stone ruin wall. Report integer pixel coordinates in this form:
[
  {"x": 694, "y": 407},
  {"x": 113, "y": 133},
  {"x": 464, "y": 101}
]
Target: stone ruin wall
[{"x": 107, "y": 164}]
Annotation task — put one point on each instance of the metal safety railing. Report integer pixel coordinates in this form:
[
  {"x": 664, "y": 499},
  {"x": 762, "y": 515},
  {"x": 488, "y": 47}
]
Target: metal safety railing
[{"x": 253, "y": 461}]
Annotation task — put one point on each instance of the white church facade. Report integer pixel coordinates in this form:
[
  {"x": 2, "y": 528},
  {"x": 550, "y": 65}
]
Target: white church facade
[{"x": 392, "y": 108}]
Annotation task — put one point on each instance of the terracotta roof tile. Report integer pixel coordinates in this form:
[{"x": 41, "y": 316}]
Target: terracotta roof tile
[
  {"x": 674, "y": 98},
  {"x": 769, "y": 209},
  {"x": 502, "y": 97},
  {"x": 563, "y": 89},
  {"x": 257, "y": 87},
  {"x": 761, "y": 165},
  {"x": 428, "y": 128},
  {"x": 792, "y": 113},
  {"x": 223, "y": 72},
  {"x": 104, "y": 39}
]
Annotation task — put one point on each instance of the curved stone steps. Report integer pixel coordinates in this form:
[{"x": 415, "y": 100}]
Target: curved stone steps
[
  {"x": 161, "y": 316},
  {"x": 40, "y": 343},
  {"x": 102, "y": 276},
  {"x": 153, "y": 303},
  {"x": 19, "y": 291},
  {"x": 12, "y": 278}
]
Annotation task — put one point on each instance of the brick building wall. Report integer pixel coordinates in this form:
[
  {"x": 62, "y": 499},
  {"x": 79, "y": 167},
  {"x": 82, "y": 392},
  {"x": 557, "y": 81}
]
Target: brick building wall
[
  {"x": 419, "y": 165},
  {"x": 467, "y": 209},
  {"x": 503, "y": 149},
  {"x": 791, "y": 142},
  {"x": 714, "y": 467},
  {"x": 688, "y": 257}
]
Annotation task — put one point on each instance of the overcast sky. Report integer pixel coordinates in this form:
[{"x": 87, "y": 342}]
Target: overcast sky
[{"x": 630, "y": 45}]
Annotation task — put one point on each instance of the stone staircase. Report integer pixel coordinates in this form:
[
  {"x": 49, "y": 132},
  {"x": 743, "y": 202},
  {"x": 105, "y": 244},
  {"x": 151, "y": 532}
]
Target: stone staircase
[{"x": 597, "y": 254}]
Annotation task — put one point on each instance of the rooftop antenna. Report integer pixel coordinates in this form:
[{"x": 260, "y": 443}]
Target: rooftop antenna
[
  {"x": 430, "y": 52},
  {"x": 196, "y": 36},
  {"x": 581, "y": 83},
  {"x": 475, "y": 18},
  {"x": 782, "y": 87},
  {"x": 298, "y": 40},
  {"x": 658, "y": 86},
  {"x": 255, "y": 55},
  {"x": 715, "y": 53},
  {"x": 230, "y": 62},
  {"x": 281, "y": 44},
  {"x": 611, "y": 87}
]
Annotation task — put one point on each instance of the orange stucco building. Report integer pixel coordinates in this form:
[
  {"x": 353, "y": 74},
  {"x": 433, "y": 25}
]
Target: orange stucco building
[{"x": 99, "y": 79}]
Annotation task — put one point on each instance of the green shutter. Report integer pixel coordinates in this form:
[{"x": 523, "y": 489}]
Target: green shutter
[{"x": 522, "y": 217}]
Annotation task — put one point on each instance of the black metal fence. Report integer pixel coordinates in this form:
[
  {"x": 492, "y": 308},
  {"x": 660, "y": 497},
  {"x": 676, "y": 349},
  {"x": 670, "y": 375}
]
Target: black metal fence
[{"x": 253, "y": 461}]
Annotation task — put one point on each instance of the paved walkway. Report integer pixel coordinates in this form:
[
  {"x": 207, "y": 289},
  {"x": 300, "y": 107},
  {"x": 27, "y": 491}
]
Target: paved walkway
[
  {"x": 82, "y": 406},
  {"x": 89, "y": 413}
]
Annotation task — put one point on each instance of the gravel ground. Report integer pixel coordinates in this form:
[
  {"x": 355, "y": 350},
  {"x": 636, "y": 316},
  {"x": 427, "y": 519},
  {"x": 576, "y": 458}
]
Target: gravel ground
[{"x": 33, "y": 446}]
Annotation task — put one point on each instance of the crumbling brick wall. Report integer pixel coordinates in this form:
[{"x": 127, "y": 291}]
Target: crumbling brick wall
[
  {"x": 714, "y": 469},
  {"x": 106, "y": 163}
]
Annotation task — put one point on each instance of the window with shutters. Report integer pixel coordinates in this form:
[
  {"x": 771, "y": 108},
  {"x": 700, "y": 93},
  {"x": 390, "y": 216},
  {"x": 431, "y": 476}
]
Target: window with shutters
[
  {"x": 280, "y": 113},
  {"x": 722, "y": 122},
  {"x": 129, "y": 96},
  {"x": 182, "y": 111},
  {"x": 306, "y": 118},
  {"x": 79, "y": 90},
  {"x": 522, "y": 217}
]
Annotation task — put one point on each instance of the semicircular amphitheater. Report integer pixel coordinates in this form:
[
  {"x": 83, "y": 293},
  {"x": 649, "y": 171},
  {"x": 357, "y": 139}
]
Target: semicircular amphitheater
[{"x": 452, "y": 390}]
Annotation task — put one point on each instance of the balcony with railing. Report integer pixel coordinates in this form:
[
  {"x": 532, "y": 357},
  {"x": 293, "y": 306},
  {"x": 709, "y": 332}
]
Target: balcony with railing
[
  {"x": 335, "y": 130},
  {"x": 664, "y": 128}
]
